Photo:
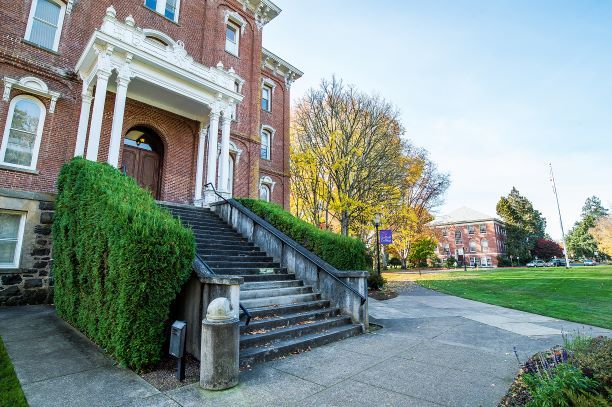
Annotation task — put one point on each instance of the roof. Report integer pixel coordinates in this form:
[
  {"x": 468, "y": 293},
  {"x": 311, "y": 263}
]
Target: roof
[{"x": 463, "y": 215}]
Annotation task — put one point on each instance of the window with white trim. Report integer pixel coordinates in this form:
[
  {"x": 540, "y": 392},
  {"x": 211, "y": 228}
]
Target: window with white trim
[
  {"x": 23, "y": 132},
  {"x": 472, "y": 246},
  {"x": 232, "y": 38},
  {"x": 266, "y": 97},
  {"x": 470, "y": 229},
  {"x": 484, "y": 244},
  {"x": 266, "y": 142},
  {"x": 167, "y": 8},
  {"x": 264, "y": 192},
  {"x": 11, "y": 236},
  {"x": 45, "y": 23},
  {"x": 483, "y": 229}
]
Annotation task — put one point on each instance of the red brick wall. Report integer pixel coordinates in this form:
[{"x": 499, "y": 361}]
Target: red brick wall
[
  {"x": 492, "y": 236},
  {"x": 201, "y": 27}
]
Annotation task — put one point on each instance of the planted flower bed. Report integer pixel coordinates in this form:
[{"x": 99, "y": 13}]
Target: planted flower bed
[{"x": 579, "y": 373}]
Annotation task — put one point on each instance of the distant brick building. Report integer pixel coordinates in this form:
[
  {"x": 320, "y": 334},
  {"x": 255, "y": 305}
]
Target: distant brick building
[
  {"x": 465, "y": 232},
  {"x": 178, "y": 94}
]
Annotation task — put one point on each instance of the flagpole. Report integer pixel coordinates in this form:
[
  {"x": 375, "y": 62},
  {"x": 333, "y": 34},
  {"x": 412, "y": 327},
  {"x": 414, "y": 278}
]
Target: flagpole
[{"x": 552, "y": 180}]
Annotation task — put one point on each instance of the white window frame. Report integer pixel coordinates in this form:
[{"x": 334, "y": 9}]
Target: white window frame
[
  {"x": 233, "y": 49},
  {"x": 269, "y": 192},
  {"x": 60, "y": 24},
  {"x": 270, "y": 89},
  {"x": 160, "y": 8},
  {"x": 39, "y": 131},
  {"x": 472, "y": 244},
  {"x": 269, "y": 149},
  {"x": 481, "y": 227},
  {"x": 484, "y": 247},
  {"x": 269, "y": 184},
  {"x": 17, "y": 256}
]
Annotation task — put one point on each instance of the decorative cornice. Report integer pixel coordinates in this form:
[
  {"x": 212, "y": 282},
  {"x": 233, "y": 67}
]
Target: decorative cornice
[
  {"x": 264, "y": 11},
  {"x": 280, "y": 67},
  {"x": 31, "y": 85}
]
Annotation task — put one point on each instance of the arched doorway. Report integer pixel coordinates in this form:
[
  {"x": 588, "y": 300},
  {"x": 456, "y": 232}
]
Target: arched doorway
[{"x": 143, "y": 155}]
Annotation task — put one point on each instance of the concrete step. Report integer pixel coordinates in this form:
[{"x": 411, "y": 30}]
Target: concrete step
[
  {"x": 221, "y": 239},
  {"x": 274, "y": 292},
  {"x": 214, "y": 245},
  {"x": 294, "y": 331},
  {"x": 238, "y": 252},
  {"x": 273, "y": 312},
  {"x": 254, "y": 278},
  {"x": 246, "y": 271},
  {"x": 240, "y": 263},
  {"x": 281, "y": 300},
  {"x": 261, "y": 257},
  {"x": 259, "y": 323},
  {"x": 269, "y": 284},
  {"x": 251, "y": 356}
]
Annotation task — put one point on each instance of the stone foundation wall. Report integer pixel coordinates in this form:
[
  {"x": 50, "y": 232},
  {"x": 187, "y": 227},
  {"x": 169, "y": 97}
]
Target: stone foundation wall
[{"x": 31, "y": 282}]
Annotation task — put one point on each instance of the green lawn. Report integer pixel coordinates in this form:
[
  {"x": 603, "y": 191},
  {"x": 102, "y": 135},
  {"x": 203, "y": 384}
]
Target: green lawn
[
  {"x": 581, "y": 294},
  {"x": 10, "y": 389}
]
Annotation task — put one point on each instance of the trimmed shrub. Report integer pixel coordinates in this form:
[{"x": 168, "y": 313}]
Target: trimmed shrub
[
  {"x": 119, "y": 261},
  {"x": 342, "y": 252}
]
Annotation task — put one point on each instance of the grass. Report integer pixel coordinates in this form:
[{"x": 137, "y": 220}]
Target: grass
[
  {"x": 581, "y": 294},
  {"x": 10, "y": 389}
]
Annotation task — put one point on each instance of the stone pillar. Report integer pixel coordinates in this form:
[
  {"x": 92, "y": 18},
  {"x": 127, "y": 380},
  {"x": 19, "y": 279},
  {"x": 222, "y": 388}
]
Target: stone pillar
[
  {"x": 116, "y": 138},
  {"x": 98, "y": 113},
  {"x": 200, "y": 165},
  {"x": 211, "y": 167},
  {"x": 86, "y": 99},
  {"x": 224, "y": 156},
  {"x": 220, "y": 349}
]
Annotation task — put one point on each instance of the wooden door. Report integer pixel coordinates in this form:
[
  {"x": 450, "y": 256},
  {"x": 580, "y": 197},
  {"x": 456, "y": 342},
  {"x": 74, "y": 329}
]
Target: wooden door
[{"x": 144, "y": 166}]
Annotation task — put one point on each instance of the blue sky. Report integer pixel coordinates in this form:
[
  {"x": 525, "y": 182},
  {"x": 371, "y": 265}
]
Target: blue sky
[{"x": 495, "y": 90}]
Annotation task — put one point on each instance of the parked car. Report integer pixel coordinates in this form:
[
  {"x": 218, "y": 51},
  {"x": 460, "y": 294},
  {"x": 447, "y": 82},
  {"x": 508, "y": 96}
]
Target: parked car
[
  {"x": 589, "y": 262},
  {"x": 536, "y": 263},
  {"x": 557, "y": 263}
]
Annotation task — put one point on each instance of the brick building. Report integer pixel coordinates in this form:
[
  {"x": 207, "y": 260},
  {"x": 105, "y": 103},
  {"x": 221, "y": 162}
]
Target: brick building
[
  {"x": 465, "y": 232},
  {"x": 178, "y": 94}
]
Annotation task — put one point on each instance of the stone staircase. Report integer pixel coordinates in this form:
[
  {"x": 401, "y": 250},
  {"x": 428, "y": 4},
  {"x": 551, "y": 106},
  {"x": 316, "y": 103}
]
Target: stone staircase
[{"x": 287, "y": 316}]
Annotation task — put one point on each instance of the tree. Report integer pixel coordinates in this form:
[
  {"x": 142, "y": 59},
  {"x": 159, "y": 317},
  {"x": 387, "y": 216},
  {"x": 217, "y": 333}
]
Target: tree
[
  {"x": 580, "y": 242},
  {"x": 347, "y": 148},
  {"x": 547, "y": 249},
  {"x": 602, "y": 233},
  {"x": 422, "y": 250},
  {"x": 524, "y": 224}
]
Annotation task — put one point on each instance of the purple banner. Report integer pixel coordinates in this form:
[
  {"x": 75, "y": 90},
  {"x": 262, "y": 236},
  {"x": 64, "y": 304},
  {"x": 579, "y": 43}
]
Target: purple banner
[{"x": 386, "y": 236}]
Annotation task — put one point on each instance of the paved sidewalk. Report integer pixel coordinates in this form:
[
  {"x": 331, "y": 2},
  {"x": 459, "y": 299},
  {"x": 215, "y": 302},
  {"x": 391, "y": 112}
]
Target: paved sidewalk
[{"x": 435, "y": 349}]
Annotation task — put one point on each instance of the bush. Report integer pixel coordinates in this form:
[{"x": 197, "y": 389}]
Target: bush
[
  {"x": 376, "y": 281},
  {"x": 557, "y": 386},
  {"x": 119, "y": 261},
  {"x": 595, "y": 361},
  {"x": 342, "y": 252},
  {"x": 450, "y": 262}
]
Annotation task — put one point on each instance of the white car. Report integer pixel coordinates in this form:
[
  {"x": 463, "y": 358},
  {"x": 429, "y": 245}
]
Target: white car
[
  {"x": 589, "y": 262},
  {"x": 536, "y": 263}
]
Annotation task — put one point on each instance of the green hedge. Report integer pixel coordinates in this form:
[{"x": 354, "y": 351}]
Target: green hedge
[
  {"x": 119, "y": 261},
  {"x": 342, "y": 252}
]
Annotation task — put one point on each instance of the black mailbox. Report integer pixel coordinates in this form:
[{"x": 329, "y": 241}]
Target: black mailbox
[{"x": 177, "y": 339}]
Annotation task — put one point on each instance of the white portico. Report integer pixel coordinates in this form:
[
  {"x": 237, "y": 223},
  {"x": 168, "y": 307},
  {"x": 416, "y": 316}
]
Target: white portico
[{"x": 151, "y": 67}]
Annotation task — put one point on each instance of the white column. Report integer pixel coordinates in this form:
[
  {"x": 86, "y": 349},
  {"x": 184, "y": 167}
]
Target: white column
[
  {"x": 200, "y": 165},
  {"x": 224, "y": 156},
  {"x": 86, "y": 99},
  {"x": 211, "y": 167},
  {"x": 98, "y": 113},
  {"x": 117, "y": 130}
]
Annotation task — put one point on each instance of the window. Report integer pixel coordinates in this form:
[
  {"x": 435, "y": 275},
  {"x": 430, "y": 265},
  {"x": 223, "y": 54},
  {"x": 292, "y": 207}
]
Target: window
[
  {"x": 167, "y": 8},
  {"x": 45, "y": 23},
  {"x": 486, "y": 262},
  {"x": 266, "y": 138},
  {"x": 472, "y": 246},
  {"x": 446, "y": 248},
  {"x": 266, "y": 98},
  {"x": 484, "y": 244},
  {"x": 232, "y": 38},
  {"x": 483, "y": 229},
  {"x": 470, "y": 229},
  {"x": 11, "y": 235},
  {"x": 23, "y": 131},
  {"x": 264, "y": 193},
  {"x": 444, "y": 232},
  {"x": 473, "y": 261}
]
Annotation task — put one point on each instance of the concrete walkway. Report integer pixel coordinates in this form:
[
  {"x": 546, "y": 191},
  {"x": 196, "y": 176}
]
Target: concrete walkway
[{"x": 435, "y": 349}]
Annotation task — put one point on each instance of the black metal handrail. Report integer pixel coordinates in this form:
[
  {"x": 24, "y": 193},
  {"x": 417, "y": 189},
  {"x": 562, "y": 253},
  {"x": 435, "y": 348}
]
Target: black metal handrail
[{"x": 323, "y": 265}]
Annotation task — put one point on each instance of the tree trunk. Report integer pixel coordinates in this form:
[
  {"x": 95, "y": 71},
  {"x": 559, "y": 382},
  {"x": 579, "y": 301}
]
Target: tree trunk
[{"x": 344, "y": 223}]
